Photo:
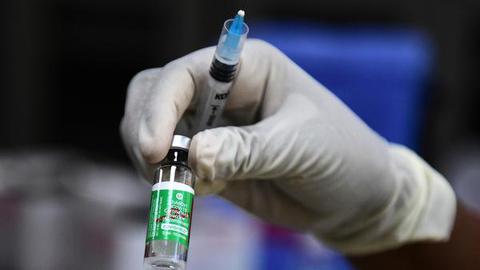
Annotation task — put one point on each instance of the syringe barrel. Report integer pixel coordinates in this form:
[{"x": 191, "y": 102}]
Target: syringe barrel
[{"x": 222, "y": 72}]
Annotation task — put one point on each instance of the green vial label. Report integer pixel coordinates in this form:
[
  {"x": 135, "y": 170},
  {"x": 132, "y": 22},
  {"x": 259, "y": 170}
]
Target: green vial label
[{"x": 170, "y": 212}]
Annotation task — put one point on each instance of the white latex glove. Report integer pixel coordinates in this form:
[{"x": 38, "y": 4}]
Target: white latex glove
[{"x": 297, "y": 156}]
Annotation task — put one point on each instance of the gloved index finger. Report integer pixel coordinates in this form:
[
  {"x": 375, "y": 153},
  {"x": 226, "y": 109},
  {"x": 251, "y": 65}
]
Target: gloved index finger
[{"x": 167, "y": 100}]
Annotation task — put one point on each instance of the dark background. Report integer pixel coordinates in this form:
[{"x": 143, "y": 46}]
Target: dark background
[
  {"x": 66, "y": 64},
  {"x": 64, "y": 70}
]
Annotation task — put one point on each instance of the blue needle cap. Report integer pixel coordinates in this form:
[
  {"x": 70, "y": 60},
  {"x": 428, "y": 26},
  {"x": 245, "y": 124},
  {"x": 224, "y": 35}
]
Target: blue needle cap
[{"x": 232, "y": 38}]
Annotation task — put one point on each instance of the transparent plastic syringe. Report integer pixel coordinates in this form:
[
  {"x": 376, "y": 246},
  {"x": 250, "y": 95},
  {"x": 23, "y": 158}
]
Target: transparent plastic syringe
[{"x": 222, "y": 72}]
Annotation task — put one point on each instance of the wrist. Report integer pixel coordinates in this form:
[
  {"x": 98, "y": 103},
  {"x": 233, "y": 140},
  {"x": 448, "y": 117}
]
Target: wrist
[{"x": 421, "y": 208}]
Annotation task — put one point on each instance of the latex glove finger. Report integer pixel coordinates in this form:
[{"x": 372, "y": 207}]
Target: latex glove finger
[
  {"x": 275, "y": 147},
  {"x": 156, "y": 101},
  {"x": 138, "y": 88}
]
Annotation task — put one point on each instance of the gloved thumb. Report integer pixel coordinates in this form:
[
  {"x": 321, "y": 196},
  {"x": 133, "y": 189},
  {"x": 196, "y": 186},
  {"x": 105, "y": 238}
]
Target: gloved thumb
[
  {"x": 232, "y": 161},
  {"x": 227, "y": 153},
  {"x": 260, "y": 151}
]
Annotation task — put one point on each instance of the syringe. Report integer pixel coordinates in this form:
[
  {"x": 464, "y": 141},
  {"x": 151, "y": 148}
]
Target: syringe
[{"x": 222, "y": 72}]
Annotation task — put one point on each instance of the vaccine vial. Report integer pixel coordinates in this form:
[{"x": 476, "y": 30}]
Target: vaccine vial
[{"x": 170, "y": 216}]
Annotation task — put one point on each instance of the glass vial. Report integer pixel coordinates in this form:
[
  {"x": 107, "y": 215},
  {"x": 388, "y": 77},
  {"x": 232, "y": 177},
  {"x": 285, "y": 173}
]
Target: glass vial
[{"x": 168, "y": 231}]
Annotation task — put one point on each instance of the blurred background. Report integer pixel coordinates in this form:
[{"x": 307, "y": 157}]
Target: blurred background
[{"x": 69, "y": 198}]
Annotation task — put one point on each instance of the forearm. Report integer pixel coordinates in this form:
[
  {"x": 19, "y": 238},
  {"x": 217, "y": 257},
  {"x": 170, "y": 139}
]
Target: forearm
[{"x": 462, "y": 251}]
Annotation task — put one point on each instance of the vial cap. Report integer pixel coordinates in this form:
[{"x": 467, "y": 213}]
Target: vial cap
[{"x": 181, "y": 142}]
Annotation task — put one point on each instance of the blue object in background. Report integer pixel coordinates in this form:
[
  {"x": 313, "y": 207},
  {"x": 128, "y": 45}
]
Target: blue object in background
[
  {"x": 286, "y": 250},
  {"x": 381, "y": 73}
]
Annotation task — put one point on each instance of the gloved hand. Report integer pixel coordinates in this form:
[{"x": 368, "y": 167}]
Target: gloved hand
[{"x": 294, "y": 154}]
